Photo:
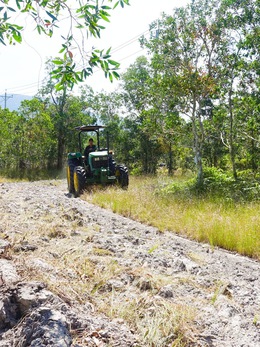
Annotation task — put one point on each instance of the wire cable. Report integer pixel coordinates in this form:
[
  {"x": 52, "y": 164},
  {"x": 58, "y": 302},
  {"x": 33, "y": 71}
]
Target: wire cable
[{"x": 123, "y": 45}]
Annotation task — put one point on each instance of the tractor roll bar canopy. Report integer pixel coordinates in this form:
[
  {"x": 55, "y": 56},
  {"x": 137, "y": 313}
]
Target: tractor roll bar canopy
[
  {"x": 83, "y": 128},
  {"x": 89, "y": 128}
]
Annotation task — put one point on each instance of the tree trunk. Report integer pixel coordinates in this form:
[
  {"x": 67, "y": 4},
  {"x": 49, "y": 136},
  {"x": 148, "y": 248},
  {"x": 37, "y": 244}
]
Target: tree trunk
[
  {"x": 61, "y": 148},
  {"x": 170, "y": 166},
  {"x": 232, "y": 149},
  {"x": 198, "y": 161},
  {"x": 197, "y": 145},
  {"x": 61, "y": 131}
]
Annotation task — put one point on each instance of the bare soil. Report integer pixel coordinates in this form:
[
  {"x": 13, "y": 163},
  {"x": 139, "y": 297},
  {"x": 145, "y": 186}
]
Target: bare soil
[{"x": 73, "y": 274}]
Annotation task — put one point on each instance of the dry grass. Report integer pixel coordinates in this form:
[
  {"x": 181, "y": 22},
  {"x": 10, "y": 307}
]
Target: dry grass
[
  {"x": 5, "y": 179},
  {"x": 79, "y": 272},
  {"x": 158, "y": 321},
  {"x": 233, "y": 227}
]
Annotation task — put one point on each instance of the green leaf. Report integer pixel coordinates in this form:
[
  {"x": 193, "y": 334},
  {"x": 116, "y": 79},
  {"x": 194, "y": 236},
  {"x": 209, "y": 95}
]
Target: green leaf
[
  {"x": 2, "y": 41},
  {"x": 59, "y": 86},
  {"x": 63, "y": 49},
  {"x": 113, "y": 62},
  {"x": 115, "y": 74},
  {"x": 39, "y": 29},
  {"x": 44, "y": 3},
  {"x": 51, "y": 15},
  {"x": 116, "y": 4},
  {"x": 106, "y": 65},
  {"x": 78, "y": 77},
  {"x": 123, "y": 2},
  {"x": 80, "y": 26},
  {"x": 18, "y": 4},
  {"x": 17, "y": 36},
  {"x": 11, "y": 9},
  {"x": 104, "y": 17},
  {"x": 5, "y": 16},
  {"x": 57, "y": 62}
]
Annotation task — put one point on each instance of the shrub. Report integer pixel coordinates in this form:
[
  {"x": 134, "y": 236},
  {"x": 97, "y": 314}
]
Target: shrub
[{"x": 217, "y": 184}]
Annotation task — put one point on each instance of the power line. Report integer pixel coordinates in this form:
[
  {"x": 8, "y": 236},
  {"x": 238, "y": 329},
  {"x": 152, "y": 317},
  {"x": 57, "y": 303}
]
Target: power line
[
  {"x": 25, "y": 86},
  {"x": 129, "y": 42},
  {"x": 116, "y": 49}
]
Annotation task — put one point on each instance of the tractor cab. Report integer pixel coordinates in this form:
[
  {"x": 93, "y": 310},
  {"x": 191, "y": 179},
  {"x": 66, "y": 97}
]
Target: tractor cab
[{"x": 89, "y": 129}]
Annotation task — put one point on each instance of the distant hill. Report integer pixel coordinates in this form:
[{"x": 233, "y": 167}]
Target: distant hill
[{"x": 13, "y": 102}]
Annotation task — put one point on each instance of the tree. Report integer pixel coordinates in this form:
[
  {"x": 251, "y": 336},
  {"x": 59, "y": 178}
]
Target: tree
[
  {"x": 38, "y": 136},
  {"x": 108, "y": 110},
  {"x": 10, "y": 124},
  {"x": 37, "y": 141},
  {"x": 67, "y": 112},
  {"x": 138, "y": 96},
  {"x": 239, "y": 69},
  {"x": 184, "y": 54},
  {"x": 83, "y": 19}
]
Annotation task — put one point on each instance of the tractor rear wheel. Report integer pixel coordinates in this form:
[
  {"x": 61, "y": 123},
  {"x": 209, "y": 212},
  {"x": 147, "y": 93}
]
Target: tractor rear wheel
[
  {"x": 79, "y": 179},
  {"x": 122, "y": 176}
]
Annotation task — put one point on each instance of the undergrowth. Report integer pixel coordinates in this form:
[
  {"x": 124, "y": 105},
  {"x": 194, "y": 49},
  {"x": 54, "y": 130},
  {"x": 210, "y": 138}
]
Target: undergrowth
[{"x": 218, "y": 186}]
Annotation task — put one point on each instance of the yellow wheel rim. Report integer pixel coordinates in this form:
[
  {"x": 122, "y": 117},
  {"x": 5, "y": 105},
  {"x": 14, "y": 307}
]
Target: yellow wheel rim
[
  {"x": 76, "y": 182},
  {"x": 68, "y": 176}
]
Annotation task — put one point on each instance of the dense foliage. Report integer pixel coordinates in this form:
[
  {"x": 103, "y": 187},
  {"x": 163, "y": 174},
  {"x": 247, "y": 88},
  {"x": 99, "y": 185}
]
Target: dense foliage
[{"x": 192, "y": 105}]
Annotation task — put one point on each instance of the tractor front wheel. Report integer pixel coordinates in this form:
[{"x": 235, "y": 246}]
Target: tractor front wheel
[
  {"x": 70, "y": 181},
  {"x": 79, "y": 179}
]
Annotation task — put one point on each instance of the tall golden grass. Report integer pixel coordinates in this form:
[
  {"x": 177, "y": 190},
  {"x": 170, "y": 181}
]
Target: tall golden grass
[{"x": 235, "y": 227}]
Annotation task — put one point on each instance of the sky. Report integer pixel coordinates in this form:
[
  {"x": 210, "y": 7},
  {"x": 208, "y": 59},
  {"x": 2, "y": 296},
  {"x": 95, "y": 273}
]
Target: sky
[{"x": 22, "y": 68}]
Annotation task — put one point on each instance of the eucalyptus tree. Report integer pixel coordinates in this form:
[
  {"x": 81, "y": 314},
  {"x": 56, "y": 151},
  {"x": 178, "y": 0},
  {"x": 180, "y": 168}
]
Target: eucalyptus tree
[
  {"x": 247, "y": 107},
  {"x": 163, "y": 119},
  {"x": 239, "y": 70},
  {"x": 138, "y": 97},
  {"x": 153, "y": 109},
  {"x": 83, "y": 18},
  {"x": 67, "y": 111},
  {"x": 185, "y": 53}
]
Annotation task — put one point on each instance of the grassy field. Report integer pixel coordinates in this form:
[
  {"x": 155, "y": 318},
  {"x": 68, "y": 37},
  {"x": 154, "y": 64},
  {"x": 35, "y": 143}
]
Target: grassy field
[
  {"x": 219, "y": 221},
  {"x": 224, "y": 223}
]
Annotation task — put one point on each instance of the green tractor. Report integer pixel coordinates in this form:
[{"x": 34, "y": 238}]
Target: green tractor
[{"x": 98, "y": 167}]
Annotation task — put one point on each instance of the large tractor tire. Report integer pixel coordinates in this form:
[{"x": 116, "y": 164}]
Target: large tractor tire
[
  {"x": 122, "y": 176},
  {"x": 72, "y": 163},
  {"x": 79, "y": 180}
]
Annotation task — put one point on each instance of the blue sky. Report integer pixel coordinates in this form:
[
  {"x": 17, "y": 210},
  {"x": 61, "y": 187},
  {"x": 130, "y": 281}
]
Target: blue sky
[{"x": 22, "y": 67}]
